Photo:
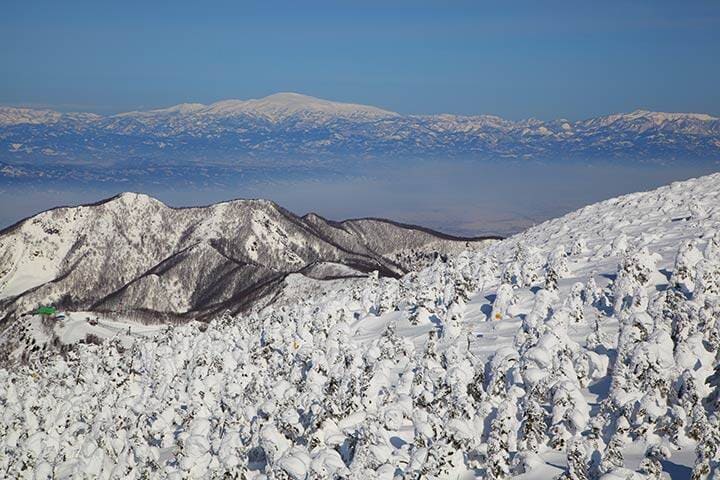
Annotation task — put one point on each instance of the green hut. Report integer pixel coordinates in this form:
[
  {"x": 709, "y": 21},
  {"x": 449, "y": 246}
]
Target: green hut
[{"x": 46, "y": 311}]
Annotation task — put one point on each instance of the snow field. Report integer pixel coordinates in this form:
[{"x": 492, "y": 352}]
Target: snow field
[{"x": 586, "y": 348}]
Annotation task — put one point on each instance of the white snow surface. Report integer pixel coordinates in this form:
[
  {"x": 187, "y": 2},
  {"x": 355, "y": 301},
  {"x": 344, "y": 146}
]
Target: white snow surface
[
  {"x": 585, "y": 347},
  {"x": 20, "y": 116},
  {"x": 274, "y": 108}
]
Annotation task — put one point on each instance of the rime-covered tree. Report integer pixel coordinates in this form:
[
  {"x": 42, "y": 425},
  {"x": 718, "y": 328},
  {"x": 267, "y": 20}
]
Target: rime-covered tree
[
  {"x": 634, "y": 273},
  {"x": 707, "y": 463},
  {"x": 574, "y": 303},
  {"x": 504, "y": 299},
  {"x": 650, "y": 464},
  {"x": 578, "y": 462},
  {"x": 502, "y": 438},
  {"x": 683, "y": 275},
  {"x": 533, "y": 430},
  {"x": 612, "y": 457},
  {"x": 555, "y": 268}
]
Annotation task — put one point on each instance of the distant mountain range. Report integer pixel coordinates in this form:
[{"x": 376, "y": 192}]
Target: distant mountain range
[
  {"x": 289, "y": 127},
  {"x": 133, "y": 255}
]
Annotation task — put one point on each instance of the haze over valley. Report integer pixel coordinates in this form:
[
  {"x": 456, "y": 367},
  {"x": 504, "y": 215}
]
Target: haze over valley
[{"x": 466, "y": 175}]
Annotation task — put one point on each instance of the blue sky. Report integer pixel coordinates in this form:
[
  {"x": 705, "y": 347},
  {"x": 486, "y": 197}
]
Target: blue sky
[{"x": 516, "y": 59}]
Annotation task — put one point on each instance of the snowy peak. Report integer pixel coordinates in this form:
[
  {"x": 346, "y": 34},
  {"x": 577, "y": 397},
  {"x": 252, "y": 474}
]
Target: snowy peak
[
  {"x": 132, "y": 252},
  {"x": 646, "y": 119},
  {"x": 15, "y": 116},
  {"x": 133, "y": 198},
  {"x": 281, "y": 106},
  {"x": 661, "y": 117},
  {"x": 273, "y": 108},
  {"x": 19, "y": 115},
  {"x": 180, "y": 109}
]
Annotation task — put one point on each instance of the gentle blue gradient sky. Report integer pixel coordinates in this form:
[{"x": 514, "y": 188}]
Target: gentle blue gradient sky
[{"x": 518, "y": 59}]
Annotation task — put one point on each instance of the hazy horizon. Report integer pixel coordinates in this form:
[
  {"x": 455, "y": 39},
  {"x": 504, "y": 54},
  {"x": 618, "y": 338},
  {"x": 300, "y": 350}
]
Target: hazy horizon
[
  {"x": 519, "y": 60},
  {"x": 461, "y": 198}
]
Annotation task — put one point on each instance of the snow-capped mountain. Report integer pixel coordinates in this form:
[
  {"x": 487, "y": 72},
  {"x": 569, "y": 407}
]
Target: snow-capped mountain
[
  {"x": 584, "y": 348},
  {"x": 132, "y": 253},
  {"x": 225, "y": 116},
  {"x": 288, "y": 126}
]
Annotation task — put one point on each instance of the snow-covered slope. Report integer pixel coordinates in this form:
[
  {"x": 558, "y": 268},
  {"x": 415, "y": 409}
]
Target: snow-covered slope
[
  {"x": 281, "y": 106},
  {"x": 19, "y": 116},
  {"x": 274, "y": 108},
  {"x": 134, "y": 254},
  {"x": 289, "y": 126},
  {"x": 585, "y": 347}
]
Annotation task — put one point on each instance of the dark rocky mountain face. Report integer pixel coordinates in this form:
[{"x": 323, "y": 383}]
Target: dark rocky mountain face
[{"x": 132, "y": 253}]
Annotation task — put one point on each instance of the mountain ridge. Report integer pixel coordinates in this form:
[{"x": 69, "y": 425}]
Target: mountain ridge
[
  {"x": 131, "y": 252},
  {"x": 308, "y": 102},
  {"x": 286, "y": 127}
]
